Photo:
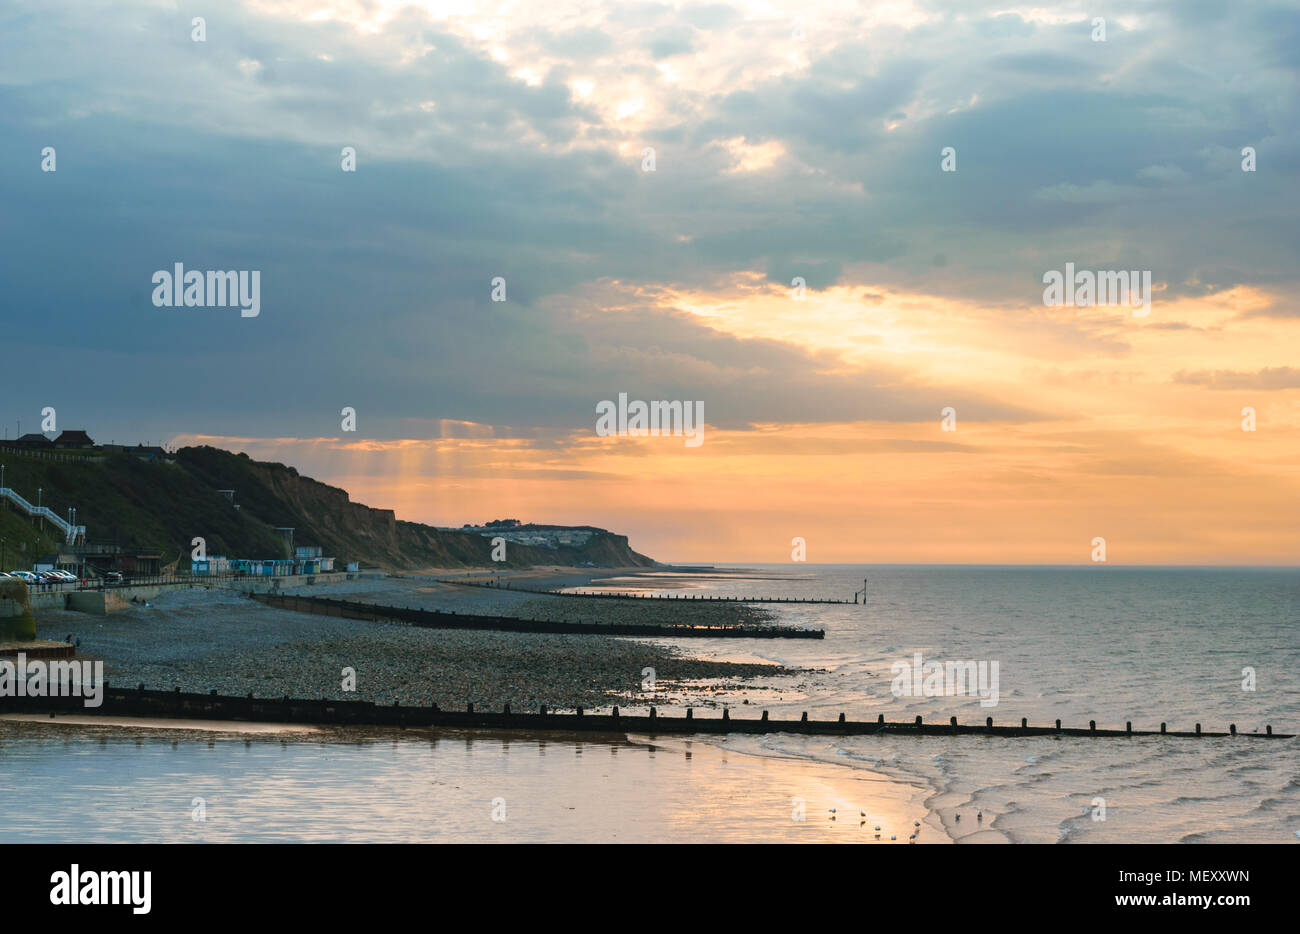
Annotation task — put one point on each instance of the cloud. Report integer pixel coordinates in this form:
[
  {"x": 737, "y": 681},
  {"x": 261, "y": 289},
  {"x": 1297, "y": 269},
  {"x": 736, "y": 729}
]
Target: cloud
[
  {"x": 478, "y": 158},
  {"x": 1268, "y": 379}
]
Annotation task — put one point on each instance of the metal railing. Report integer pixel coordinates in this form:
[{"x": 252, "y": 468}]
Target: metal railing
[{"x": 70, "y": 531}]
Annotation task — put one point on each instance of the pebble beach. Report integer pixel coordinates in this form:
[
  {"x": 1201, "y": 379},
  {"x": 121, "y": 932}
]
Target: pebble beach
[{"x": 215, "y": 639}]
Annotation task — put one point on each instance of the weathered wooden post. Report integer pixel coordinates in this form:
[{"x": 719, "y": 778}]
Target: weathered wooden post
[
  {"x": 653, "y": 713},
  {"x": 1024, "y": 723},
  {"x": 580, "y": 711},
  {"x": 1268, "y": 730},
  {"x": 616, "y": 712},
  {"x": 469, "y": 708},
  {"x": 881, "y": 719},
  {"x": 1232, "y": 729},
  {"x": 506, "y": 710},
  {"x": 764, "y": 716},
  {"x": 1128, "y": 726},
  {"x": 726, "y": 714},
  {"x": 1198, "y": 729},
  {"x": 1092, "y": 726},
  {"x": 952, "y": 722},
  {"x": 690, "y": 713},
  {"x": 1058, "y": 725},
  {"x": 542, "y": 710},
  {"x": 988, "y": 722},
  {"x": 1162, "y": 727},
  {"x": 803, "y": 718},
  {"x": 918, "y": 719}
]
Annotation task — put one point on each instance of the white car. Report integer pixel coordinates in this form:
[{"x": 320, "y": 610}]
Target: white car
[{"x": 27, "y": 576}]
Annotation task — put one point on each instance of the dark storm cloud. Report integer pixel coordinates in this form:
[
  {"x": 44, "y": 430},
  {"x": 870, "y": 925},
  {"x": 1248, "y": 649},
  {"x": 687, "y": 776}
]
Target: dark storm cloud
[{"x": 225, "y": 155}]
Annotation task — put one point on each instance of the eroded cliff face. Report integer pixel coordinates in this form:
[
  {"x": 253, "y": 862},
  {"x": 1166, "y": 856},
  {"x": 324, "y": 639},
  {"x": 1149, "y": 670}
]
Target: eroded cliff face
[{"x": 164, "y": 506}]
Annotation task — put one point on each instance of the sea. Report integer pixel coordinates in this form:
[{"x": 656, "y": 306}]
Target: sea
[{"x": 1149, "y": 645}]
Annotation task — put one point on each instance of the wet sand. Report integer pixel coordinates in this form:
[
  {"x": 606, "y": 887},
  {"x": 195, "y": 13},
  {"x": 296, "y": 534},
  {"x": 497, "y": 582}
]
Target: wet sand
[
  {"x": 337, "y": 784},
  {"x": 154, "y": 723},
  {"x": 135, "y": 784}
]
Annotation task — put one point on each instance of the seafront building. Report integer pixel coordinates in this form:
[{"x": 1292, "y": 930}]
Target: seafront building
[
  {"x": 307, "y": 560},
  {"x": 78, "y": 442}
]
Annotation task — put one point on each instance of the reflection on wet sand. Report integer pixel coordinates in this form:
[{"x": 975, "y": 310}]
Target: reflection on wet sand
[{"x": 136, "y": 783}]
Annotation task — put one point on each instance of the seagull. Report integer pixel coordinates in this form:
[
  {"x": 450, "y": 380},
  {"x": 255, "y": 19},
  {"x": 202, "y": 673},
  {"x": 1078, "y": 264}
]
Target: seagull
[
  {"x": 893, "y": 836},
  {"x": 958, "y": 817},
  {"x": 877, "y": 826},
  {"x": 916, "y": 823}
]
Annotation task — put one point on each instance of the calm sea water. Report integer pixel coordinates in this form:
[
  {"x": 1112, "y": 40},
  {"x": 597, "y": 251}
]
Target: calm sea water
[{"x": 1110, "y": 644}]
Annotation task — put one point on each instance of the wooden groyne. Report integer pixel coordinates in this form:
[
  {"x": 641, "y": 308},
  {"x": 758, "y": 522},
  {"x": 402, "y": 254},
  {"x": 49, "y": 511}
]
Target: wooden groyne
[
  {"x": 139, "y": 702},
  {"x": 438, "y": 619},
  {"x": 37, "y": 648},
  {"x": 614, "y": 595}
]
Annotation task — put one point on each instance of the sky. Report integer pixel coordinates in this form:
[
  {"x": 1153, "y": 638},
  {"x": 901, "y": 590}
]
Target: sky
[{"x": 830, "y": 223}]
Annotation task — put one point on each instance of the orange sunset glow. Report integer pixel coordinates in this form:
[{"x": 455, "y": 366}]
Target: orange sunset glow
[{"x": 1133, "y": 431}]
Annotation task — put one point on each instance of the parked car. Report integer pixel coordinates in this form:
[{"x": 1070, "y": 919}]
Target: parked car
[
  {"x": 113, "y": 577},
  {"x": 27, "y": 576},
  {"x": 5, "y": 575}
]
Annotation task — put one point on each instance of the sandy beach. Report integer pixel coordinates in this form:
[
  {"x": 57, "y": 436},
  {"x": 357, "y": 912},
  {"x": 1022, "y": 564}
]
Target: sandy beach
[
  {"x": 143, "y": 783},
  {"x": 619, "y": 788}
]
